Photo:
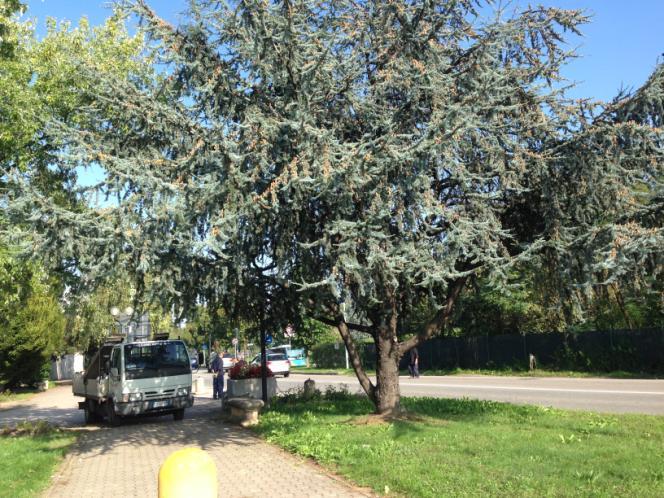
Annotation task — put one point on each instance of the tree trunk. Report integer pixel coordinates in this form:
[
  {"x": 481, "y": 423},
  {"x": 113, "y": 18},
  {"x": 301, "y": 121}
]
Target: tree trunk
[
  {"x": 387, "y": 396},
  {"x": 385, "y": 393},
  {"x": 617, "y": 295}
]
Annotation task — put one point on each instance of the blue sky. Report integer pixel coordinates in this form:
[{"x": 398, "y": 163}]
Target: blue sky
[{"x": 619, "y": 47}]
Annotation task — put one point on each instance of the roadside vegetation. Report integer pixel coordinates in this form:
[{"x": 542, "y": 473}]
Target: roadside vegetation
[
  {"x": 446, "y": 447},
  {"x": 21, "y": 393},
  {"x": 29, "y": 453},
  {"x": 18, "y": 395}
]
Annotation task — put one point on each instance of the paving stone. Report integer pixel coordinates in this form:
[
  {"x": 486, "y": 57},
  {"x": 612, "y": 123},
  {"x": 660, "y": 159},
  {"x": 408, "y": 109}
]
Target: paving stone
[{"x": 124, "y": 461}]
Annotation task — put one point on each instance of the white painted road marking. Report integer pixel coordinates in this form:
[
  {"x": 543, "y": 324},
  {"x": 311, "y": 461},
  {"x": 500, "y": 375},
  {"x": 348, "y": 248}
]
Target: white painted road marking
[{"x": 515, "y": 388}]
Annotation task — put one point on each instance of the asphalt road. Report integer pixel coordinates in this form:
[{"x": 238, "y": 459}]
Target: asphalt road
[{"x": 600, "y": 395}]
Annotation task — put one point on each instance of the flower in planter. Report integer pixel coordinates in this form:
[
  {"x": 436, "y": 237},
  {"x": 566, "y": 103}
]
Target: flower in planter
[{"x": 243, "y": 370}]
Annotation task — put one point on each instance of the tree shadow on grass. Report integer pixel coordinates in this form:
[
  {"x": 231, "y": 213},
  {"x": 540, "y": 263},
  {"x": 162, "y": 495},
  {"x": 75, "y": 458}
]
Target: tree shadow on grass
[
  {"x": 438, "y": 408},
  {"x": 418, "y": 413}
]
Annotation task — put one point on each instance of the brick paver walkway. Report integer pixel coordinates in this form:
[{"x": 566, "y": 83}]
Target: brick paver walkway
[{"x": 124, "y": 461}]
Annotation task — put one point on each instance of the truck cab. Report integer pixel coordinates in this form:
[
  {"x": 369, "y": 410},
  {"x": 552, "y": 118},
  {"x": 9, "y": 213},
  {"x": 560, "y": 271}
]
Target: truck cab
[{"x": 136, "y": 378}]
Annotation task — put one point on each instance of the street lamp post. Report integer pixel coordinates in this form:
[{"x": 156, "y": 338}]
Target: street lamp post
[{"x": 121, "y": 318}]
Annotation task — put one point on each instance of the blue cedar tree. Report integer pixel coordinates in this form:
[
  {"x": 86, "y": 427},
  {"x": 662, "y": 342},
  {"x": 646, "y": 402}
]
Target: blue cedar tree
[{"x": 349, "y": 159}]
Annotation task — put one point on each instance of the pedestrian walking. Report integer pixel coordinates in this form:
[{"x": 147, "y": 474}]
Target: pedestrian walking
[
  {"x": 217, "y": 377},
  {"x": 414, "y": 364}
]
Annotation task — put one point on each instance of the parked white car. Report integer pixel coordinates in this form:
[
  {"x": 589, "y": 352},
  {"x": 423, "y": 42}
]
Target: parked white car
[
  {"x": 228, "y": 360},
  {"x": 278, "y": 363}
]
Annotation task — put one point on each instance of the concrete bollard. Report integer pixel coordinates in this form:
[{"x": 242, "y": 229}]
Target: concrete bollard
[
  {"x": 309, "y": 388},
  {"x": 188, "y": 472},
  {"x": 199, "y": 385},
  {"x": 532, "y": 362}
]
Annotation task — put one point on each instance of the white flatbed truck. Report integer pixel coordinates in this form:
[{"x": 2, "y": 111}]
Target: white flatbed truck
[{"x": 136, "y": 378}]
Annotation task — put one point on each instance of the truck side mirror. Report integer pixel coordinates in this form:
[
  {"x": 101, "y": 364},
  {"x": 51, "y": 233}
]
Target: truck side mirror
[{"x": 114, "y": 372}]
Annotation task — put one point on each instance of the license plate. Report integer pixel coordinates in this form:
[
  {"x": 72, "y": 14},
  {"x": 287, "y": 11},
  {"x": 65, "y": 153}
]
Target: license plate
[{"x": 161, "y": 404}]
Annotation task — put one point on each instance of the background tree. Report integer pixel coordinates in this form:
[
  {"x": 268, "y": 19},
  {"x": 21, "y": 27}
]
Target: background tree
[
  {"x": 8, "y": 41},
  {"x": 32, "y": 322},
  {"x": 355, "y": 159},
  {"x": 89, "y": 314},
  {"x": 40, "y": 81},
  {"x": 308, "y": 332}
]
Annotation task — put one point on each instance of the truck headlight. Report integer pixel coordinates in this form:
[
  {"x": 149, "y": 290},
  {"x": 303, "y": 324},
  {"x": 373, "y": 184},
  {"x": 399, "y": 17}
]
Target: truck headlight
[
  {"x": 183, "y": 391},
  {"x": 128, "y": 397}
]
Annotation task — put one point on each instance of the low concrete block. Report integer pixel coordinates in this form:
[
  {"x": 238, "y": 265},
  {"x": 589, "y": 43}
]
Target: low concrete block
[{"x": 244, "y": 411}]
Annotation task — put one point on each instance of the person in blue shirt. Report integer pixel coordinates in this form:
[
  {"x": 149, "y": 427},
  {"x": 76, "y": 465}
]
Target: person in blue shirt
[
  {"x": 414, "y": 364},
  {"x": 217, "y": 377}
]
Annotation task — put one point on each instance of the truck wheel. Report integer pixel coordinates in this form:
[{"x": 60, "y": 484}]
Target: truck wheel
[
  {"x": 87, "y": 415},
  {"x": 96, "y": 416},
  {"x": 113, "y": 418},
  {"x": 90, "y": 412},
  {"x": 286, "y": 374},
  {"x": 178, "y": 414}
]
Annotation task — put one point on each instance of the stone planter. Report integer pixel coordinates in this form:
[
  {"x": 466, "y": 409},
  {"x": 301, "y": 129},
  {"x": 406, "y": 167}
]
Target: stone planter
[{"x": 250, "y": 388}]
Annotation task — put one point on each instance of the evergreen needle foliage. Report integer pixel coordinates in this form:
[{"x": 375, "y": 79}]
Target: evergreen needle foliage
[{"x": 353, "y": 159}]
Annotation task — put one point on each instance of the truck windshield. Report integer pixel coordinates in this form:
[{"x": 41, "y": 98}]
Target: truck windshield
[{"x": 143, "y": 361}]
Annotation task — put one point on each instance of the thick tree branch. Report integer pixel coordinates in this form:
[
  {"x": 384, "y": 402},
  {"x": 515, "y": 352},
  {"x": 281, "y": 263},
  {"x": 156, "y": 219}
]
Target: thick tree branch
[
  {"x": 436, "y": 324},
  {"x": 355, "y": 326},
  {"x": 355, "y": 360}
]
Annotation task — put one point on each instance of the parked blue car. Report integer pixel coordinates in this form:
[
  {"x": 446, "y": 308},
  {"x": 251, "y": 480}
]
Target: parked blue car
[{"x": 193, "y": 358}]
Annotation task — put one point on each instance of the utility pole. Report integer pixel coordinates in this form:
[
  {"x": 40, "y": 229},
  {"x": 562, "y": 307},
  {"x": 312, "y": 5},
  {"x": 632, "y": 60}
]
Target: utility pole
[
  {"x": 263, "y": 359},
  {"x": 237, "y": 340},
  {"x": 346, "y": 351},
  {"x": 343, "y": 313}
]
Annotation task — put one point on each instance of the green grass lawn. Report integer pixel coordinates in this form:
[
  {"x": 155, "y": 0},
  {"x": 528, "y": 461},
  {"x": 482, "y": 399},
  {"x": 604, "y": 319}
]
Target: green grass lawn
[
  {"x": 27, "y": 461},
  {"x": 447, "y": 447}
]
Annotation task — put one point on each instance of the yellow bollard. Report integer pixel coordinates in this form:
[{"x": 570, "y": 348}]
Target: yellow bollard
[{"x": 188, "y": 472}]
